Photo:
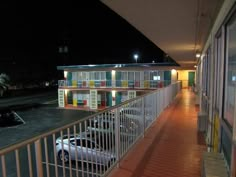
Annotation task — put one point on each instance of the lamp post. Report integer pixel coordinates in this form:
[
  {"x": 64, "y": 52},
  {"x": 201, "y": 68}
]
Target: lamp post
[{"x": 136, "y": 57}]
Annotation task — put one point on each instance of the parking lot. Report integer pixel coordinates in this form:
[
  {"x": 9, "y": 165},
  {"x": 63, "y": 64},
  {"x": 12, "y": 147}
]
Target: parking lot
[{"x": 38, "y": 119}]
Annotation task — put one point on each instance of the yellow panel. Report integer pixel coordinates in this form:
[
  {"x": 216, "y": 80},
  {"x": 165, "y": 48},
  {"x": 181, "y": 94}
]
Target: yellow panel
[
  {"x": 124, "y": 83},
  {"x": 146, "y": 84},
  {"x": 74, "y": 102},
  {"x": 216, "y": 132},
  {"x": 74, "y": 83},
  {"x": 91, "y": 84}
]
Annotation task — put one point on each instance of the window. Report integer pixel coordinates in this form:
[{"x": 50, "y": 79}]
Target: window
[
  {"x": 230, "y": 91},
  {"x": 84, "y": 143},
  {"x": 124, "y": 75},
  {"x": 218, "y": 73},
  {"x": 103, "y": 75},
  {"x": 146, "y": 75},
  {"x": 91, "y": 76},
  {"x": 77, "y": 142},
  {"x": 97, "y": 75},
  {"x": 90, "y": 144},
  {"x": 153, "y": 75},
  {"x": 85, "y": 76},
  {"x": 80, "y": 76},
  {"x": 137, "y": 76},
  {"x": 131, "y": 75}
]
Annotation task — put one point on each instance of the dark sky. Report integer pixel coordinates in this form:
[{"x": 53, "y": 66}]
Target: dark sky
[{"x": 32, "y": 32}]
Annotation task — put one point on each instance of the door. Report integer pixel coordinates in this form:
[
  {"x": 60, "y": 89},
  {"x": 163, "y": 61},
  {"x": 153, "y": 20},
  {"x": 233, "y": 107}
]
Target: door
[
  {"x": 167, "y": 78},
  {"x": 191, "y": 78}
]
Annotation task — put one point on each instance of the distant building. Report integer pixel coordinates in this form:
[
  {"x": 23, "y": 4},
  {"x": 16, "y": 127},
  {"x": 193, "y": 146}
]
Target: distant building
[{"x": 96, "y": 87}]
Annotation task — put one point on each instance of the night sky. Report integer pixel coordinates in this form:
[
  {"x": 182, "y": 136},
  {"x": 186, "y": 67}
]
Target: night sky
[{"x": 31, "y": 34}]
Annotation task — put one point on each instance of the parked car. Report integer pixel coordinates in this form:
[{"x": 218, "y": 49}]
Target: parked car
[
  {"x": 105, "y": 129},
  {"x": 85, "y": 147},
  {"x": 136, "y": 115}
]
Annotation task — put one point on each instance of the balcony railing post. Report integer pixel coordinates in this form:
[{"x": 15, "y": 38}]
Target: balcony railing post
[
  {"x": 38, "y": 156},
  {"x": 143, "y": 115},
  {"x": 117, "y": 135}
]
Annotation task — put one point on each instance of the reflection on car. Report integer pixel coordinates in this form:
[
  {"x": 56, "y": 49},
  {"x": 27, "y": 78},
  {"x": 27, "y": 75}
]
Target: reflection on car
[
  {"x": 136, "y": 115},
  {"x": 82, "y": 148},
  {"x": 105, "y": 128}
]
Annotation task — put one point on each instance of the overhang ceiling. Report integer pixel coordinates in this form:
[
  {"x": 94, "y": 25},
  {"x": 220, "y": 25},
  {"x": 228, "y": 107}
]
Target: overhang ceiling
[{"x": 179, "y": 27}]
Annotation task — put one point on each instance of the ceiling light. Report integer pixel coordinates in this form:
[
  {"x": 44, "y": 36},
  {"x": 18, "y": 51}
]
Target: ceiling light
[{"x": 198, "y": 55}]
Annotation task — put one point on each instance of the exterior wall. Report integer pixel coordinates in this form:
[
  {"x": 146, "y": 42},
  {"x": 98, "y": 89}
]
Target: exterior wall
[
  {"x": 174, "y": 76},
  {"x": 183, "y": 76},
  {"x": 214, "y": 88}
]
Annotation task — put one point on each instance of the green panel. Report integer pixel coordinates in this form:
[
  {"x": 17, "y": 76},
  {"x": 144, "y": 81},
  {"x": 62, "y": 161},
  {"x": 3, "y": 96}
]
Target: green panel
[
  {"x": 108, "y": 99},
  {"x": 118, "y": 97},
  {"x": 167, "y": 78},
  {"x": 118, "y": 79},
  {"x": 108, "y": 75},
  {"x": 69, "y": 97},
  {"x": 69, "y": 76},
  {"x": 118, "y": 75},
  {"x": 191, "y": 77}
]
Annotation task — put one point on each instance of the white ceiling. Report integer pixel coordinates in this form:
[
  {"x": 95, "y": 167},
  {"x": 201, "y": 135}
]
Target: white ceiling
[{"x": 178, "y": 27}]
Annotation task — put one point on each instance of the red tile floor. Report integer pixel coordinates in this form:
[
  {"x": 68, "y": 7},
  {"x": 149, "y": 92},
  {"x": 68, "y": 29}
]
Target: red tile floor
[{"x": 172, "y": 147}]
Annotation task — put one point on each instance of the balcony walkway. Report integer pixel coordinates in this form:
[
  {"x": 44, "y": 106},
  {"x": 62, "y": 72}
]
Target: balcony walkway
[{"x": 171, "y": 148}]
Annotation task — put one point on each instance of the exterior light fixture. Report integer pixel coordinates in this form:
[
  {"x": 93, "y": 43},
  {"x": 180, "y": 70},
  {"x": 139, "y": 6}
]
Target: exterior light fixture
[
  {"x": 198, "y": 55},
  {"x": 195, "y": 66}
]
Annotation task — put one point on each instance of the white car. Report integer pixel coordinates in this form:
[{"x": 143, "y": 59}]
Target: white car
[{"x": 82, "y": 148}]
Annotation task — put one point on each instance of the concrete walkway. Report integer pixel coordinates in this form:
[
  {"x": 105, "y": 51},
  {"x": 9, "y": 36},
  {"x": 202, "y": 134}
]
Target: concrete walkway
[{"x": 172, "y": 147}]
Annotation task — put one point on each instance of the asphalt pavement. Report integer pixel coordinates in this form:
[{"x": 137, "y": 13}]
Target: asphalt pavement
[{"x": 40, "y": 113}]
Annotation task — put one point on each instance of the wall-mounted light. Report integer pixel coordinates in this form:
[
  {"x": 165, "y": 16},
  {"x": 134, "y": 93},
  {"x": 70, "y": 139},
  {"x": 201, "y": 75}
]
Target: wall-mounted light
[
  {"x": 198, "y": 55},
  {"x": 173, "y": 71},
  {"x": 65, "y": 74},
  {"x": 195, "y": 66},
  {"x": 113, "y": 93},
  {"x": 66, "y": 92}
]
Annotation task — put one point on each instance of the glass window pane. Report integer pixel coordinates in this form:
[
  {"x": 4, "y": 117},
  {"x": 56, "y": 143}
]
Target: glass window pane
[
  {"x": 80, "y": 76},
  {"x": 97, "y": 75},
  {"x": 124, "y": 75},
  {"x": 231, "y": 72},
  {"x": 103, "y": 75},
  {"x": 131, "y": 75},
  {"x": 137, "y": 76},
  {"x": 146, "y": 75}
]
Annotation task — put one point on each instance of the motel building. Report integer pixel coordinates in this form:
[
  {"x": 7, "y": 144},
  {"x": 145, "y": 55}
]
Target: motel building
[{"x": 96, "y": 87}]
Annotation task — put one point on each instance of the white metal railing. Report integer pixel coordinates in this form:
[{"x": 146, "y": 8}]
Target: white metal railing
[
  {"x": 152, "y": 84},
  {"x": 92, "y": 146}
]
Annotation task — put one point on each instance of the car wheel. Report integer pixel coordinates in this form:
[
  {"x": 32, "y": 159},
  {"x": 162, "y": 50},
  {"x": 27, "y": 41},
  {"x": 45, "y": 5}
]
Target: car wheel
[{"x": 66, "y": 156}]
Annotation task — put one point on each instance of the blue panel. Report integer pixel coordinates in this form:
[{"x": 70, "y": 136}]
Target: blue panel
[
  {"x": 97, "y": 83},
  {"x": 79, "y": 83},
  {"x": 118, "y": 83},
  {"x": 131, "y": 84},
  {"x": 226, "y": 146},
  {"x": 108, "y": 83}
]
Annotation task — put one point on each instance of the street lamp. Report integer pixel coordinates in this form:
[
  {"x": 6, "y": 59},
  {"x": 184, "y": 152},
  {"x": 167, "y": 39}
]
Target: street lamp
[{"x": 136, "y": 57}]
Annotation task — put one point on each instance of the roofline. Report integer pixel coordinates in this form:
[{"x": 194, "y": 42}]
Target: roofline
[{"x": 119, "y": 66}]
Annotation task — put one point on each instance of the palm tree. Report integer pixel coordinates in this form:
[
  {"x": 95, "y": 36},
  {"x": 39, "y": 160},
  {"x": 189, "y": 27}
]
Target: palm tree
[{"x": 4, "y": 83}]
